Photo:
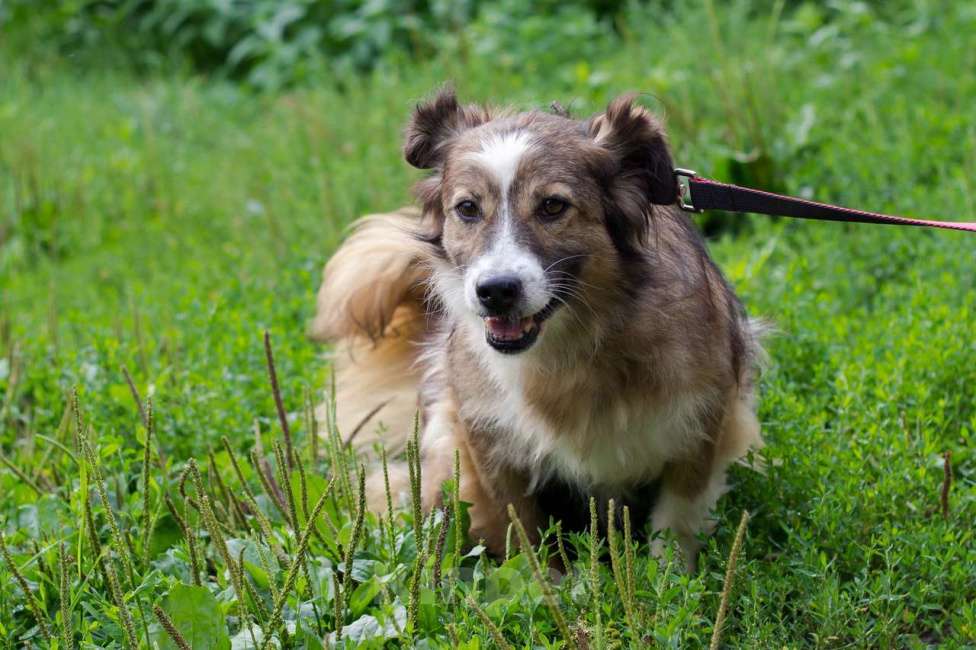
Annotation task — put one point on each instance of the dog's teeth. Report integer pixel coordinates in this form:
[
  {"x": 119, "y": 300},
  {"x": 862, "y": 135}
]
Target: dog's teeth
[{"x": 503, "y": 329}]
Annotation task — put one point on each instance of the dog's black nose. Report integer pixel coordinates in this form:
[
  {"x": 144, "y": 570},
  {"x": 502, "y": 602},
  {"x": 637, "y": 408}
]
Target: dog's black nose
[{"x": 499, "y": 294}]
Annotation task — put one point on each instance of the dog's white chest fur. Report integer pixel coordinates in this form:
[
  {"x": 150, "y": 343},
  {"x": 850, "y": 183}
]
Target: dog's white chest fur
[{"x": 618, "y": 446}]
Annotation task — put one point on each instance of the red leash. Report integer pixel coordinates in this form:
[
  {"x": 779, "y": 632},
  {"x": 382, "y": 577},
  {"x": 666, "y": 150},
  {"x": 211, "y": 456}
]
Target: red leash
[{"x": 696, "y": 193}]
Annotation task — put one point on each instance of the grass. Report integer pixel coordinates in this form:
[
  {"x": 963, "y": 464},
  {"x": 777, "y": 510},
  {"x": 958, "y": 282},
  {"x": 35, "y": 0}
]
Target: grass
[{"x": 163, "y": 225}]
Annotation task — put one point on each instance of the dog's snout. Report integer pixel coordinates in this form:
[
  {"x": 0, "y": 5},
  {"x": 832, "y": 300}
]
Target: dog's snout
[{"x": 499, "y": 294}]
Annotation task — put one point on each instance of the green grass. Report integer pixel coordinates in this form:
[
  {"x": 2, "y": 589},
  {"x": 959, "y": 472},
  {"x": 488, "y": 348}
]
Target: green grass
[{"x": 162, "y": 225}]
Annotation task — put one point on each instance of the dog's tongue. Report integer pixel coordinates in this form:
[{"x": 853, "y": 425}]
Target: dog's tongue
[{"x": 506, "y": 329}]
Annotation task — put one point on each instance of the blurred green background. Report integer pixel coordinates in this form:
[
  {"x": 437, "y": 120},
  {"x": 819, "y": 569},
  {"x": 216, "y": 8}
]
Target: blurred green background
[{"x": 174, "y": 173}]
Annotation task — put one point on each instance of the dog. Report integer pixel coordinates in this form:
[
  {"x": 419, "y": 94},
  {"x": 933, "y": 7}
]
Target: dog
[{"x": 555, "y": 319}]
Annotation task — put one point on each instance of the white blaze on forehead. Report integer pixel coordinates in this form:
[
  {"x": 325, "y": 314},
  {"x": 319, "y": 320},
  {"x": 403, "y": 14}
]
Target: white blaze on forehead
[{"x": 500, "y": 153}]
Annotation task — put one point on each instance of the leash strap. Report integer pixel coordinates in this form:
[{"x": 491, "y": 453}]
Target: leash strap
[{"x": 697, "y": 193}]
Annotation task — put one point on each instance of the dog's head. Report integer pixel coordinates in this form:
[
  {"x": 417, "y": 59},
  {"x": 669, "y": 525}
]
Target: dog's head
[{"x": 533, "y": 210}]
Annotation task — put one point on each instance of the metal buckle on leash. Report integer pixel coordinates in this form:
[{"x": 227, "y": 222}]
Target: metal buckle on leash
[{"x": 684, "y": 189}]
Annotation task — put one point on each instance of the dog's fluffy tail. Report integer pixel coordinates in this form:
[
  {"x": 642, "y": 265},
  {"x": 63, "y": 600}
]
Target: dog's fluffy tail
[{"x": 371, "y": 306}]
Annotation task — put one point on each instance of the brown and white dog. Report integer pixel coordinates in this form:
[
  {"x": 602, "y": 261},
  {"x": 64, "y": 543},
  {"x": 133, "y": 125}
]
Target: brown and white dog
[{"x": 553, "y": 316}]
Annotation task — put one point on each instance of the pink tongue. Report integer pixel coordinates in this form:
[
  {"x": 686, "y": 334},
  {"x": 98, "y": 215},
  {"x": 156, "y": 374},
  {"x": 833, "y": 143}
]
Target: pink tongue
[{"x": 505, "y": 329}]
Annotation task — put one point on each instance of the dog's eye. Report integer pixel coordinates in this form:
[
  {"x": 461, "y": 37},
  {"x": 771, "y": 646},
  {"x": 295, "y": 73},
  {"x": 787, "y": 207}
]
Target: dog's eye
[
  {"x": 468, "y": 211},
  {"x": 552, "y": 208}
]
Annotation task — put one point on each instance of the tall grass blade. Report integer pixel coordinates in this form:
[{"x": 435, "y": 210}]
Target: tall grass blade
[
  {"x": 276, "y": 393},
  {"x": 617, "y": 564},
  {"x": 188, "y": 536},
  {"x": 148, "y": 520},
  {"x": 64, "y": 595},
  {"x": 548, "y": 596},
  {"x": 170, "y": 628},
  {"x": 723, "y": 604},
  {"x": 295, "y": 566},
  {"x": 32, "y": 603},
  {"x": 496, "y": 634}
]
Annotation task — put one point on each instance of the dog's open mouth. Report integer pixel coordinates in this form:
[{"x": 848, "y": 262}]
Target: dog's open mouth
[{"x": 512, "y": 335}]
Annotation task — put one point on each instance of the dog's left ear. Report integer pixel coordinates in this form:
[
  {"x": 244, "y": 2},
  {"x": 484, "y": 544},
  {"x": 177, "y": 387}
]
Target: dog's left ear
[
  {"x": 637, "y": 141},
  {"x": 642, "y": 170}
]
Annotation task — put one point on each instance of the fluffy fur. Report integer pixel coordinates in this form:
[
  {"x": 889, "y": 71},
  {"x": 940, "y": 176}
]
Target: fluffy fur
[{"x": 553, "y": 317}]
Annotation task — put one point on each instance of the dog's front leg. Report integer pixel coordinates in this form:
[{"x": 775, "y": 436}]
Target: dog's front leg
[
  {"x": 690, "y": 487},
  {"x": 689, "y": 491},
  {"x": 486, "y": 486},
  {"x": 490, "y": 492}
]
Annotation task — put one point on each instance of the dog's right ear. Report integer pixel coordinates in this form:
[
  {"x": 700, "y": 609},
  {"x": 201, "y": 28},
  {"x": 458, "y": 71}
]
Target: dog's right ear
[{"x": 434, "y": 124}]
